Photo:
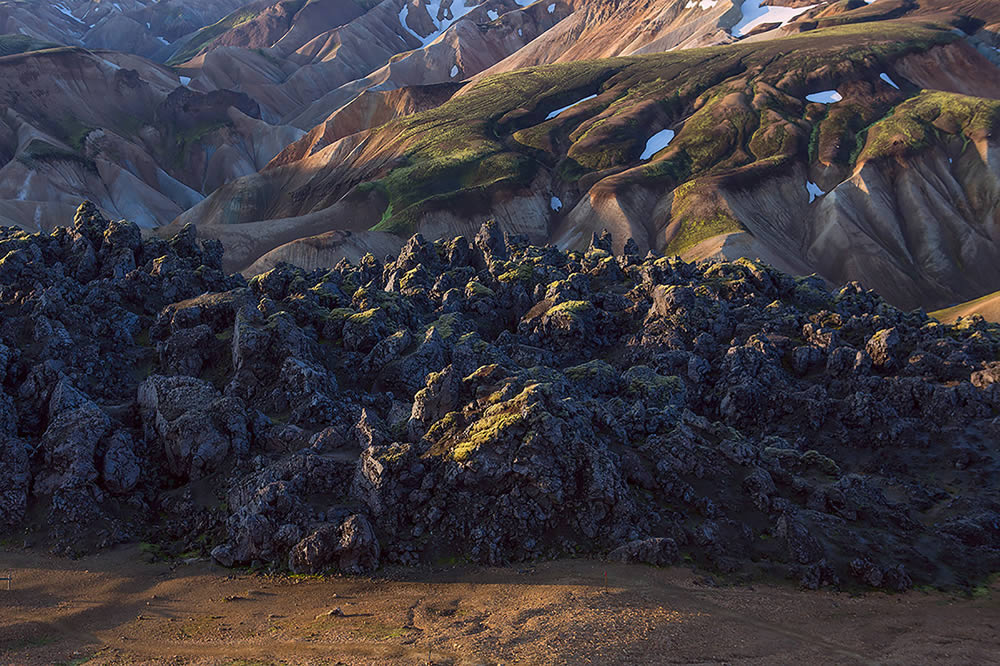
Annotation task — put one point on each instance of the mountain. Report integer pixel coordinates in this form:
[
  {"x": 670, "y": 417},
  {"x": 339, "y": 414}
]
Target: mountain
[
  {"x": 848, "y": 139},
  {"x": 749, "y": 155},
  {"x": 142, "y": 27},
  {"x": 121, "y": 131}
]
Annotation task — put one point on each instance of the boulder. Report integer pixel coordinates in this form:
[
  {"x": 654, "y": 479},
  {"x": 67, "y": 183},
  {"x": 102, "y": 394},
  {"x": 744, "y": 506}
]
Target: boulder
[{"x": 194, "y": 426}]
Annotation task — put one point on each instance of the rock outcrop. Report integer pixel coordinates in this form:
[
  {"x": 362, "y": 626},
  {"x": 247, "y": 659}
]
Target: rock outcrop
[{"x": 492, "y": 400}]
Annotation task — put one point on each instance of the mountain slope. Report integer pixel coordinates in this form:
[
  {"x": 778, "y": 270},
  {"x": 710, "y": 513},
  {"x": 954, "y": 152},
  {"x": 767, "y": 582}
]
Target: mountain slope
[
  {"x": 732, "y": 181},
  {"x": 121, "y": 131}
]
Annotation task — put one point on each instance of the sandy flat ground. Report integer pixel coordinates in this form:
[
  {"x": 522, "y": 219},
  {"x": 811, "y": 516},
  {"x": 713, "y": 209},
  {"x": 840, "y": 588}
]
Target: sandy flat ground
[{"x": 117, "y": 609}]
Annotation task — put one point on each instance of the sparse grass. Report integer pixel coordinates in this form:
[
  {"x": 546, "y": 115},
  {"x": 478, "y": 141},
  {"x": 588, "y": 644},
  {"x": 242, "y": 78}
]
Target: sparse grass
[
  {"x": 915, "y": 124},
  {"x": 495, "y": 136},
  {"x": 204, "y": 37},
  {"x": 14, "y": 44}
]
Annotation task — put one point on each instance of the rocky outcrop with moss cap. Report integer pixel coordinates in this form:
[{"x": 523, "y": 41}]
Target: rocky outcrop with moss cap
[{"x": 723, "y": 414}]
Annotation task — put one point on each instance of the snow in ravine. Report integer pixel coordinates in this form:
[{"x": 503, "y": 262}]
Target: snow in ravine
[
  {"x": 458, "y": 10},
  {"x": 814, "y": 190},
  {"x": 556, "y": 204},
  {"x": 885, "y": 77},
  {"x": 754, "y": 14},
  {"x": 566, "y": 108},
  {"x": 825, "y": 97},
  {"x": 656, "y": 143}
]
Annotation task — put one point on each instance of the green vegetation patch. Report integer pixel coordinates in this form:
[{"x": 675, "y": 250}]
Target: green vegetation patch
[
  {"x": 916, "y": 123},
  {"x": 204, "y": 37},
  {"x": 14, "y": 44},
  {"x": 733, "y": 107}
]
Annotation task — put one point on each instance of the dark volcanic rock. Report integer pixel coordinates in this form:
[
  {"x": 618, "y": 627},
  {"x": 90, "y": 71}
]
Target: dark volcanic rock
[{"x": 490, "y": 400}]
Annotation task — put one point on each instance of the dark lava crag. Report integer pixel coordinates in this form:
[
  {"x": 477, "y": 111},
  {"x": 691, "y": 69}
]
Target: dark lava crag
[{"x": 493, "y": 401}]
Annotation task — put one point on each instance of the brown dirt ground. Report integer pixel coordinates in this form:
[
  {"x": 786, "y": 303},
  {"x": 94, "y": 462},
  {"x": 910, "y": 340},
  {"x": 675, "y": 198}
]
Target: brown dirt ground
[{"x": 117, "y": 609}]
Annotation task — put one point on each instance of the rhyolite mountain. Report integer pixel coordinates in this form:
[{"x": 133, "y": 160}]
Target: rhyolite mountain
[
  {"x": 849, "y": 139},
  {"x": 366, "y": 282},
  {"x": 489, "y": 400}
]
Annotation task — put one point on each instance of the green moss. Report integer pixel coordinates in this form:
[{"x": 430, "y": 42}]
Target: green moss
[
  {"x": 493, "y": 424},
  {"x": 915, "y": 124},
  {"x": 363, "y": 317},
  {"x": 643, "y": 382},
  {"x": 520, "y": 273},
  {"x": 697, "y": 221},
  {"x": 596, "y": 369},
  {"x": 572, "y": 308},
  {"x": 476, "y": 289},
  {"x": 14, "y": 44},
  {"x": 446, "y": 423},
  {"x": 444, "y": 325},
  {"x": 39, "y": 152},
  {"x": 202, "y": 39}
]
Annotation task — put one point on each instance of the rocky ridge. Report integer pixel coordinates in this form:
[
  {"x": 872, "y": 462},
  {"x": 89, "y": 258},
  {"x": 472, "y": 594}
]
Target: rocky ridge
[{"x": 489, "y": 400}]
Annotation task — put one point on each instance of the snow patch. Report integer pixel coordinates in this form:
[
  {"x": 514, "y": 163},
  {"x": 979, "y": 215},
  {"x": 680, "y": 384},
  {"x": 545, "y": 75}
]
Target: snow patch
[
  {"x": 885, "y": 77},
  {"x": 65, "y": 10},
  {"x": 520, "y": 33},
  {"x": 492, "y": 14},
  {"x": 556, "y": 204},
  {"x": 185, "y": 80},
  {"x": 22, "y": 194},
  {"x": 704, "y": 4},
  {"x": 656, "y": 143},
  {"x": 566, "y": 108},
  {"x": 825, "y": 97},
  {"x": 754, "y": 15},
  {"x": 551, "y": 9},
  {"x": 457, "y": 10},
  {"x": 454, "y": 71},
  {"x": 814, "y": 190}
]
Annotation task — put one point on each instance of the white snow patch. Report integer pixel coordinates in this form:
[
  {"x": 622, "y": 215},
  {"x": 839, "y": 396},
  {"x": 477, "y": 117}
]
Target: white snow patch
[
  {"x": 814, "y": 191},
  {"x": 22, "y": 194},
  {"x": 656, "y": 143},
  {"x": 704, "y": 4},
  {"x": 520, "y": 33},
  {"x": 457, "y": 10},
  {"x": 885, "y": 77},
  {"x": 162, "y": 40},
  {"x": 492, "y": 14},
  {"x": 551, "y": 9},
  {"x": 65, "y": 10},
  {"x": 556, "y": 204},
  {"x": 524, "y": 3},
  {"x": 566, "y": 108},
  {"x": 185, "y": 80},
  {"x": 454, "y": 71},
  {"x": 825, "y": 97},
  {"x": 754, "y": 15},
  {"x": 110, "y": 64}
]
